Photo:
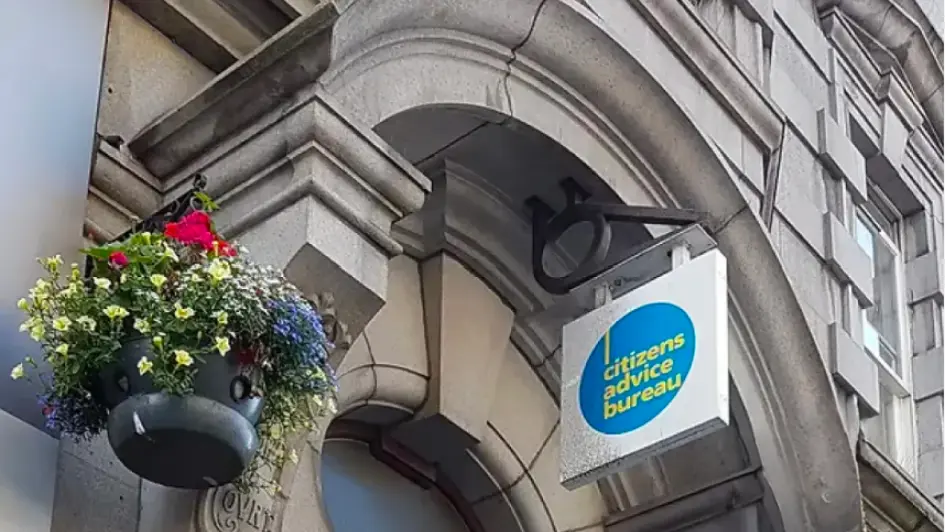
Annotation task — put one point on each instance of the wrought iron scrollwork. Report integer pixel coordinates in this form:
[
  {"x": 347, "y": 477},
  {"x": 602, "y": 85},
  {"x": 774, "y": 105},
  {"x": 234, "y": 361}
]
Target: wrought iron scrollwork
[
  {"x": 548, "y": 226},
  {"x": 173, "y": 211}
]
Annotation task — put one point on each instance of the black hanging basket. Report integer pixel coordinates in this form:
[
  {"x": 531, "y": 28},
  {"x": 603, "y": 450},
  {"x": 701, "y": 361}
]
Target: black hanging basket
[{"x": 194, "y": 442}]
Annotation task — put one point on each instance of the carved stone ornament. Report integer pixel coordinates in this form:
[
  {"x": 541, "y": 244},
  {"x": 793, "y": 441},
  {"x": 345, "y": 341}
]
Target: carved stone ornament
[{"x": 226, "y": 509}]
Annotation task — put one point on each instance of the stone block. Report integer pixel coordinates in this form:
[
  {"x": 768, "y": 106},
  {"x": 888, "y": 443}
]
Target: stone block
[
  {"x": 926, "y": 325},
  {"x": 805, "y": 31},
  {"x": 470, "y": 476},
  {"x": 356, "y": 379},
  {"x": 925, "y": 278},
  {"x": 931, "y": 465},
  {"x": 854, "y": 370},
  {"x": 847, "y": 260},
  {"x": 145, "y": 75},
  {"x": 165, "y": 509},
  {"x": 802, "y": 214},
  {"x": 840, "y": 156},
  {"x": 541, "y": 496},
  {"x": 396, "y": 334},
  {"x": 457, "y": 406},
  {"x": 99, "y": 454},
  {"x": 321, "y": 252},
  {"x": 928, "y": 373},
  {"x": 523, "y": 411},
  {"x": 497, "y": 513},
  {"x": 799, "y": 110},
  {"x": 807, "y": 75},
  {"x": 930, "y": 424},
  {"x": 89, "y": 500}
]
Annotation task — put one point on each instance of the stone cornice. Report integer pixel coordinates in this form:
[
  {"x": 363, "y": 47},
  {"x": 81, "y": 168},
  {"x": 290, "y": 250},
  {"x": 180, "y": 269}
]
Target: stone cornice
[
  {"x": 366, "y": 175},
  {"x": 892, "y": 496},
  {"x": 885, "y": 85},
  {"x": 120, "y": 192},
  {"x": 899, "y": 33},
  {"x": 122, "y": 178},
  {"x": 293, "y": 59}
]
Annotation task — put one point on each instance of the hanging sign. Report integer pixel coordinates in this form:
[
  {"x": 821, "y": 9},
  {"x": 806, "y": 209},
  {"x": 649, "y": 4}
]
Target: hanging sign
[{"x": 646, "y": 372}]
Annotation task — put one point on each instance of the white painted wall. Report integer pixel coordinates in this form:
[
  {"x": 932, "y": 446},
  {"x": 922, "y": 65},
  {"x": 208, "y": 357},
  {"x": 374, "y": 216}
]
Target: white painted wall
[
  {"x": 27, "y": 476},
  {"x": 51, "y": 60}
]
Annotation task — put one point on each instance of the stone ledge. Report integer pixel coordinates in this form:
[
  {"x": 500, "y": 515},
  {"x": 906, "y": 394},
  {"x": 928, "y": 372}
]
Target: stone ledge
[
  {"x": 892, "y": 89},
  {"x": 737, "y": 491},
  {"x": 893, "y": 28},
  {"x": 890, "y": 490},
  {"x": 840, "y": 156},
  {"x": 854, "y": 370},
  {"x": 847, "y": 260},
  {"x": 291, "y": 60},
  {"x": 124, "y": 180}
]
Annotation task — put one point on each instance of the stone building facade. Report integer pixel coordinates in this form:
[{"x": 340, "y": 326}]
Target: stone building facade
[{"x": 381, "y": 153}]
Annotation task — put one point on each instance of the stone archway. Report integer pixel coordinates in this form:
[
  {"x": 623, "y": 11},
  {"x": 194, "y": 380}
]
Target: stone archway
[
  {"x": 315, "y": 194},
  {"x": 609, "y": 112}
]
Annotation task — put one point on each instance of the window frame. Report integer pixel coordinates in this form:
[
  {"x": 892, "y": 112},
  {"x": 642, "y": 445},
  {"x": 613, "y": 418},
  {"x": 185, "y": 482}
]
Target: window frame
[{"x": 901, "y": 440}]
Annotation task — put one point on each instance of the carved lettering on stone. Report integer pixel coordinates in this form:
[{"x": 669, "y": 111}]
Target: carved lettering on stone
[{"x": 226, "y": 509}]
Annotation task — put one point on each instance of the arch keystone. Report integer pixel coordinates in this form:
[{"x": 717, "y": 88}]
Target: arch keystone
[{"x": 464, "y": 360}]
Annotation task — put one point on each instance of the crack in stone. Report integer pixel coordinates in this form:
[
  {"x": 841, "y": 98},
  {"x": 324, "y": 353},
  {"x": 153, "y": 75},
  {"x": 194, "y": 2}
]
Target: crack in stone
[
  {"x": 526, "y": 469},
  {"x": 508, "y": 64}
]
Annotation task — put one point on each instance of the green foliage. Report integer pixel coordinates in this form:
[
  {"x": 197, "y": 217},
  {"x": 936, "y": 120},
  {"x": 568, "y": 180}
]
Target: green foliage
[{"x": 194, "y": 298}]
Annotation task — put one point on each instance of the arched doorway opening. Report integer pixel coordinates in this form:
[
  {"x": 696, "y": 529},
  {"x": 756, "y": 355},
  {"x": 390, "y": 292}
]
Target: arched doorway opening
[{"x": 642, "y": 148}]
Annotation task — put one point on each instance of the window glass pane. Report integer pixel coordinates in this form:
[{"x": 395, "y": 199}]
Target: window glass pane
[
  {"x": 881, "y": 324},
  {"x": 864, "y": 235},
  {"x": 879, "y": 430},
  {"x": 884, "y": 314},
  {"x": 363, "y": 494}
]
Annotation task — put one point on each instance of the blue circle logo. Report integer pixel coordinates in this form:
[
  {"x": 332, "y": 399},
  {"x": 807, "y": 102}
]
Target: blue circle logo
[{"x": 637, "y": 368}]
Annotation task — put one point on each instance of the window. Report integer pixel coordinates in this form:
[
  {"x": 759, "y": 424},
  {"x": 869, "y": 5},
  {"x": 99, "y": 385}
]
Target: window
[
  {"x": 361, "y": 493},
  {"x": 876, "y": 229},
  {"x": 881, "y": 322}
]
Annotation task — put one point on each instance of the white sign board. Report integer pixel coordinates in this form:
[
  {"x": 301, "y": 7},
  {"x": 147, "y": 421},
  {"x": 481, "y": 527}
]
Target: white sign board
[{"x": 646, "y": 372}]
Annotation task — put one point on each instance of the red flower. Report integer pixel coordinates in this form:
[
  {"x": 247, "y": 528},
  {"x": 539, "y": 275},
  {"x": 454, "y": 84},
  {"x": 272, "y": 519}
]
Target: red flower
[
  {"x": 118, "y": 259},
  {"x": 199, "y": 218},
  {"x": 189, "y": 233},
  {"x": 224, "y": 249}
]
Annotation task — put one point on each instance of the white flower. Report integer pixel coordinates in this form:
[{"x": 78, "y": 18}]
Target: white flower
[
  {"x": 62, "y": 349},
  {"x": 219, "y": 270},
  {"x": 86, "y": 322},
  {"x": 183, "y": 313},
  {"x": 17, "y": 372},
  {"x": 221, "y": 316},
  {"x": 142, "y": 326},
  {"x": 145, "y": 366},
  {"x": 169, "y": 253},
  {"x": 222, "y": 345},
  {"x": 37, "y": 332},
  {"x": 62, "y": 324},
  {"x": 158, "y": 280},
  {"x": 102, "y": 283},
  {"x": 115, "y": 312},
  {"x": 182, "y": 357}
]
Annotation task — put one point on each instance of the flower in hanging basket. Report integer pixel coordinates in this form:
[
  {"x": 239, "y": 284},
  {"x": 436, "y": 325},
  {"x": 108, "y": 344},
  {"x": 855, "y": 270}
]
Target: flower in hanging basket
[{"x": 177, "y": 344}]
